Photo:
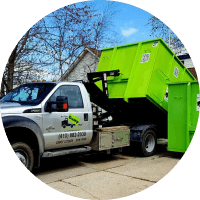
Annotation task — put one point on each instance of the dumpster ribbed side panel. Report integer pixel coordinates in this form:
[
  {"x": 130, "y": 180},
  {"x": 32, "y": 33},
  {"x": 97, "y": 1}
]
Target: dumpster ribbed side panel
[{"x": 145, "y": 70}]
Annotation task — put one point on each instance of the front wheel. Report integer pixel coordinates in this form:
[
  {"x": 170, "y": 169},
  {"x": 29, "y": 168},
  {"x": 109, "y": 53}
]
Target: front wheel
[
  {"x": 24, "y": 153},
  {"x": 148, "y": 143}
]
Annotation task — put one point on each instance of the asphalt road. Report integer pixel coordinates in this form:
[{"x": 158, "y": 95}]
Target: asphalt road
[{"x": 101, "y": 176}]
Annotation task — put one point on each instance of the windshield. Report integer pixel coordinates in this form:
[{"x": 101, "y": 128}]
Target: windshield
[{"x": 32, "y": 93}]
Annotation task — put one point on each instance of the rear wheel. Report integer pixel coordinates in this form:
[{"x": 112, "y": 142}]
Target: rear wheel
[
  {"x": 149, "y": 142},
  {"x": 24, "y": 153}
]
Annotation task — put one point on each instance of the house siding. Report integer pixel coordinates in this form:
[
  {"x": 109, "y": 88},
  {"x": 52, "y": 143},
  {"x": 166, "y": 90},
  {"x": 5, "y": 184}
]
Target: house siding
[
  {"x": 188, "y": 63},
  {"x": 87, "y": 64},
  {"x": 193, "y": 72}
]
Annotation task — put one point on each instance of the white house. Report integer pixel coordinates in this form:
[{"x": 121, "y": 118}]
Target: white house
[
  {"x": 187, "y": 61},
  {"x": 86, "y": 62}
]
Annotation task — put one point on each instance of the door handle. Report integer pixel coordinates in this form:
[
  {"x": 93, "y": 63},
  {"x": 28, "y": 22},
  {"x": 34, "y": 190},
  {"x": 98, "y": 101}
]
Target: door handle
[{"x": 85, "y": 116}]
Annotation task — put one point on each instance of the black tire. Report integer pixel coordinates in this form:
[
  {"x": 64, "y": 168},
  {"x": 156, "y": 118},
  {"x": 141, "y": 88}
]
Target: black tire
[
  {"x": 149, "y": 143},
  {"x": 24, "y": 153}
]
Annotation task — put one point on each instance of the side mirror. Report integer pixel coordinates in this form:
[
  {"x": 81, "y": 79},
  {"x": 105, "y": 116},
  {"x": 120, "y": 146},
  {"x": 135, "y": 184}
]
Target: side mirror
[{"x": 62, "y": 104}]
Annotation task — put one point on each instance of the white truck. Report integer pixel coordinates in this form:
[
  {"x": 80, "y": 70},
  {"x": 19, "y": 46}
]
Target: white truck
[{"x": 47, "y": 119}]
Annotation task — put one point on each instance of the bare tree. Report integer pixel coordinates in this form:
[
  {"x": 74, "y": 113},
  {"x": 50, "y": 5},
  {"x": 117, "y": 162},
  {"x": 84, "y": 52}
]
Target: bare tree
[
  {"x": 9, "y": 70},
  {"x": 28, "y": 55},
  {"x": 161, "y": 30},
  {"x": 104, "y": 34},
  {"x": 68, "y": 31},
  {"x": 55, "y": 41},
  {"x": 43, "y": 46},
  {"x": 74, "y": 28}
]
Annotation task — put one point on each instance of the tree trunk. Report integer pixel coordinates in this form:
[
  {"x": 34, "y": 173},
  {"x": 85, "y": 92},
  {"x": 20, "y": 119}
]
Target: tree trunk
[
  {"x": 10, "y": 66},
  {"x": 2, "y": 88}
]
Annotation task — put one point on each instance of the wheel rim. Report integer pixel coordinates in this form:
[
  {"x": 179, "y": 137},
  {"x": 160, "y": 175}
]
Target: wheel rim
[
  {"x": 149, "y": 143},
  {"x": 23, "y": 157}
]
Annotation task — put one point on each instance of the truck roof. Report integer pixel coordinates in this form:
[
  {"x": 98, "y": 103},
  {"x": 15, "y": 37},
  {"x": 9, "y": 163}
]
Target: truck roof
[{"x": 56, "y": 82}]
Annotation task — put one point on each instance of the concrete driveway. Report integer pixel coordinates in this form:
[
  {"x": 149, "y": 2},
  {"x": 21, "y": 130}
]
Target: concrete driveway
[{"x": 101, "y": 176}]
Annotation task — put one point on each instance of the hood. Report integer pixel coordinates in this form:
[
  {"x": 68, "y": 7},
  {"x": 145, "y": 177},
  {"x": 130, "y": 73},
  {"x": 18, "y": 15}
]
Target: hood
[
  {"x": 9, "y": 104},
  {"x": 12, "y": 107}
]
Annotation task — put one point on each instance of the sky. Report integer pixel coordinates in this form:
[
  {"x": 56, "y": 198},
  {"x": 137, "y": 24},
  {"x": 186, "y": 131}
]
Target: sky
[{"x": 130, "y": 22}]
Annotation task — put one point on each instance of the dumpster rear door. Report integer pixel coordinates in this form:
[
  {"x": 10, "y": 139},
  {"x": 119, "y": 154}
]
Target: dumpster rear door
[{"x": 183, "y": 114}]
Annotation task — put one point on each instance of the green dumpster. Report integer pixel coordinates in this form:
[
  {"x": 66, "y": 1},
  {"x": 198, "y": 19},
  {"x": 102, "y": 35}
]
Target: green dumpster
[
  {"x": 145, "y": 70},
  {"x": 139, "y": 95},
  {"x": 183, "y": 112}
]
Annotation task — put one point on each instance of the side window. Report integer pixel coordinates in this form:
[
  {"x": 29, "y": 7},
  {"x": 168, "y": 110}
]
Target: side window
[{"x": 72, "y": 92}]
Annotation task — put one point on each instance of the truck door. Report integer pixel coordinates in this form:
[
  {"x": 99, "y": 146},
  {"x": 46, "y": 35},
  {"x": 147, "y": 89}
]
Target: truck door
[{"x": 65, "y": 129}]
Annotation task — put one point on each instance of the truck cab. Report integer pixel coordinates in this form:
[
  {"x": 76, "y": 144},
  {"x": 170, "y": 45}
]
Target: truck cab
[
  {"x": 47, "y": 119},
  {"x": 31, "y": 115}
]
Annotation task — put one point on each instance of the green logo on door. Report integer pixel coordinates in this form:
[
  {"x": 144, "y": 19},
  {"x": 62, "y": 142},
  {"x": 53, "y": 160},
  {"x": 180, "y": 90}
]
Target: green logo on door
[{"x": 73, "y": 119}]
